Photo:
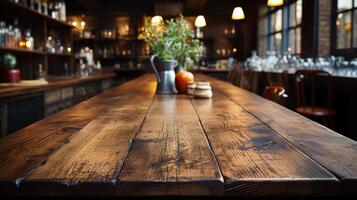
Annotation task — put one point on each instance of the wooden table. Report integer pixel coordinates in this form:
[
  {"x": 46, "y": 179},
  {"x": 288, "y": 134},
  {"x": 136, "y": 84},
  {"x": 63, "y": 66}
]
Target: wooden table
[{"x": 129, "y": 141}]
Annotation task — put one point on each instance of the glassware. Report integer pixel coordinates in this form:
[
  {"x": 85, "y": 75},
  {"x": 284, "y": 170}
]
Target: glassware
[{"x": 29, "y": 40}]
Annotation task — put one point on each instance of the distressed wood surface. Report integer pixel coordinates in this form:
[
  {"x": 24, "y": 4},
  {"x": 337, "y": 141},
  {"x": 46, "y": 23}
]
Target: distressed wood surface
[
  {"x": 171, "y": 151},
  {"x": 249, "y": 152},
  {"x": 24, "y": 150},
  {"x": 97, "y": 152},
  {"x": 333, "y": 151},
  {"x": 128, "y": 141}
]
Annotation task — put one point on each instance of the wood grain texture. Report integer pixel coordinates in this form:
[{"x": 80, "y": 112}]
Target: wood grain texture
[
  {"x": 96, "y": 153},
  {"x": 248, "y": 151},
  {"x": 333, "y": 151},
  {"x": 171, "y": 154},
  {"x": 127, "y": 141},
  {"x": 24, "y": 150}
]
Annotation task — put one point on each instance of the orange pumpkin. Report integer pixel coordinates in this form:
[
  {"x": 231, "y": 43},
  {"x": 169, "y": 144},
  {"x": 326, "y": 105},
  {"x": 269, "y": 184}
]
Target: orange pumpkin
[{"x": 181, "y": 80}]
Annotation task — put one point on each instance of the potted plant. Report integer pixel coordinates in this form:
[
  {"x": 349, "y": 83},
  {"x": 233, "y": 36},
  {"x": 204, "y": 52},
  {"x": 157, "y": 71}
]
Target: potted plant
[
  {"x": 173, "y": 43},
  {"x": 187, "y": 51},
  {"x": 9, "y": 72}
]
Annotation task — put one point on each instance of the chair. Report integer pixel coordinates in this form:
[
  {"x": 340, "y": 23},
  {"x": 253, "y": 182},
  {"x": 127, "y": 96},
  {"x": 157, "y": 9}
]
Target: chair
[
  {"x": 276, "y": 94},
  {"x": 279, "y": 79},
  {"x": 307, "y": 102},
  {"x": 246, "y": 79}
]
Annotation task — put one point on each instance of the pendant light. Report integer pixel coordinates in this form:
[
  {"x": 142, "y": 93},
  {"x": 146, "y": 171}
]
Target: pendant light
[
  {"x": 156, "y": 20},
  {"x": 238, "y": 13},
  {"x": 274, "y": 3},
  {"x": 200, "y": 21}
]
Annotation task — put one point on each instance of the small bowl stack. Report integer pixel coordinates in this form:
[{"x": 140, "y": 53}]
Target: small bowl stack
[{"x": 200, "y": 90}]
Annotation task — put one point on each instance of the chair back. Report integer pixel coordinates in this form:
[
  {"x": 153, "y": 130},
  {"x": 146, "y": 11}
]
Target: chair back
[
  {"x": 306, "y": 82},
  {"x": 276, "y": 94},
  {"x": 279, "y": 79},
  {"x": 246, "y": 79}
]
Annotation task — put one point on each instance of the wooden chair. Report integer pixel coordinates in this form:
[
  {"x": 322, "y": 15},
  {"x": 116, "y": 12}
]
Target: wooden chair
[
  {"x": 249, "y": 80},
  {"x": 246, "y": 79},
  {"x": 276, "y": 94},
  {"x": 279, "y": 79},
  {"x": 307, "y": 104}
]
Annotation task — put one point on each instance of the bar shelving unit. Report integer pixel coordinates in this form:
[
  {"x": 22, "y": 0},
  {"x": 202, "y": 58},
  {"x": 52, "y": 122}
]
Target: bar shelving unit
[{"x": 41, "y": 25}]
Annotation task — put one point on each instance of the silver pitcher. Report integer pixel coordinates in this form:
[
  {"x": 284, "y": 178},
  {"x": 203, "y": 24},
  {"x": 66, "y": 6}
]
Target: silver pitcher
[{"x": 165, "y": 76}]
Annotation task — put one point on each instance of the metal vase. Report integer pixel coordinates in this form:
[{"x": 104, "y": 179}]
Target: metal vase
[{"x": 165, "y": 76}]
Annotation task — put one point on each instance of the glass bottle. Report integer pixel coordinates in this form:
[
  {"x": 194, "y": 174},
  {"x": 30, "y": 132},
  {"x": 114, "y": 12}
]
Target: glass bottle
[
  {"x": 10, "y": 36},
  {"x": 41, "y": 73},
  {"x": 2, "y": 33},
  {"x": 35, "y": 4},
  {"x": 44, "y": 7},
  {"x": 17, "y": 34},
  {"x": 29, "y": 40},
  {"x": 62, "y": 10},
  {"x": 30, "y": 4}
]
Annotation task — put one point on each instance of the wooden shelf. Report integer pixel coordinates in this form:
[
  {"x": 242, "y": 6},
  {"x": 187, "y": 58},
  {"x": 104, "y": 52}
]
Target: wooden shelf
[
  {"x": 59, "y": 54},
  {"x": 21, "y": 51},
  {"x": 9, "y": 8}
]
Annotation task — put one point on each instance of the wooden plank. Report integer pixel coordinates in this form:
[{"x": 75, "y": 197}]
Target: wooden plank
[
  {"x": 22, "y": 151},
  {"x": 94, "y": 156},
  {"x": 249, "y": 152},
  {"x": 333, "y": 151},
  {"x": 171, "y": 154}
]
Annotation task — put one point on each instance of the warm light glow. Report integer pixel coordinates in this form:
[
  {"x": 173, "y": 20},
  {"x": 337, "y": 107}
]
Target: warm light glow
[
  {"x": 22, "y": 44},
  {"x": 238, "y": 13},
  {"x": 200, "y": 21},
  {"x": 74, "y": 23},
  {"x": 156, "y": 20},
  {"x": 83, "y": 23},
  {"x": 69, "y": 49},
  {"x": 273, "y": 3},
  {"x": 29, "y": 44}
]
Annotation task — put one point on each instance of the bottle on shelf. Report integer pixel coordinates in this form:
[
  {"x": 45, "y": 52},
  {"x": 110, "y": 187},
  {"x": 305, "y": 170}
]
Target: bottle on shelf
[
  {"x": 62, "y": 10},
  {"x": 41, "y": 73},
  {"x": 44, "y": 6},
  {"x": 37, "y": 5},
  {"x": 3, "y": 31},
  {"x": 30, "y": 4},
  {"x": 17, "y": 34},
  {"x": 10, "y": 37},
  {"x": 29, "y": 40},
  {"x": 54, "y": 9}
]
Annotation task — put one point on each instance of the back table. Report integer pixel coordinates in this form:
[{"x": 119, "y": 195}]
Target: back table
[{"x": 129, "y": 141}]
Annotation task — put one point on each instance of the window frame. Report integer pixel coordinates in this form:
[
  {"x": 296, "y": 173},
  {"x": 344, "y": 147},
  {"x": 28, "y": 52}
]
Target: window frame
[
  {"x": 285, "y": 29},
  {"x": 352, "y": 51}
]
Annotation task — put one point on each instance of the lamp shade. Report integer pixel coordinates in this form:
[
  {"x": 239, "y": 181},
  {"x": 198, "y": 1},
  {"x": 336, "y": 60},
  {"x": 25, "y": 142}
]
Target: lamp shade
[
  {"x": 200, "y": 21},
  {"x": 273, "y": 3},
  {"x": 238, "y": 13},
  {"x": 156, "y": 20}
]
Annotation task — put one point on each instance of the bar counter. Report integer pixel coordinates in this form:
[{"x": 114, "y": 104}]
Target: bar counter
[
  {"x": 8, "y": 90},
  {"x": 42, "y": 99},
  {"x": 129, "y": 141}
]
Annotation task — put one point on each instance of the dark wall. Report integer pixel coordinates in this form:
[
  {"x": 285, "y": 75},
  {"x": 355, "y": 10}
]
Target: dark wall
[{"x": 222, "y": 9}]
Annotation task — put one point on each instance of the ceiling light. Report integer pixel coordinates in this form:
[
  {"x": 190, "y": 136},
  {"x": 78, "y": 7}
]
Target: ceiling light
[
  {"x": 274, "y": 3},
  {"x": 156, "y": 20},
  {"x": 200, "y": 21},
  {"x": 238, "y": 13}
]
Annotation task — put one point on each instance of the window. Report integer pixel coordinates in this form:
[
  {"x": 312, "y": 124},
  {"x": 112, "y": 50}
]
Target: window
[
  {"x": 281, "y": 28},
  {"x": 346, "y": 17}
]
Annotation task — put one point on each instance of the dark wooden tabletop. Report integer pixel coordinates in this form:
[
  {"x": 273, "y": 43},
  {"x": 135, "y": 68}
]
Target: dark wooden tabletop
[{"x": 129, "y": 141}]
